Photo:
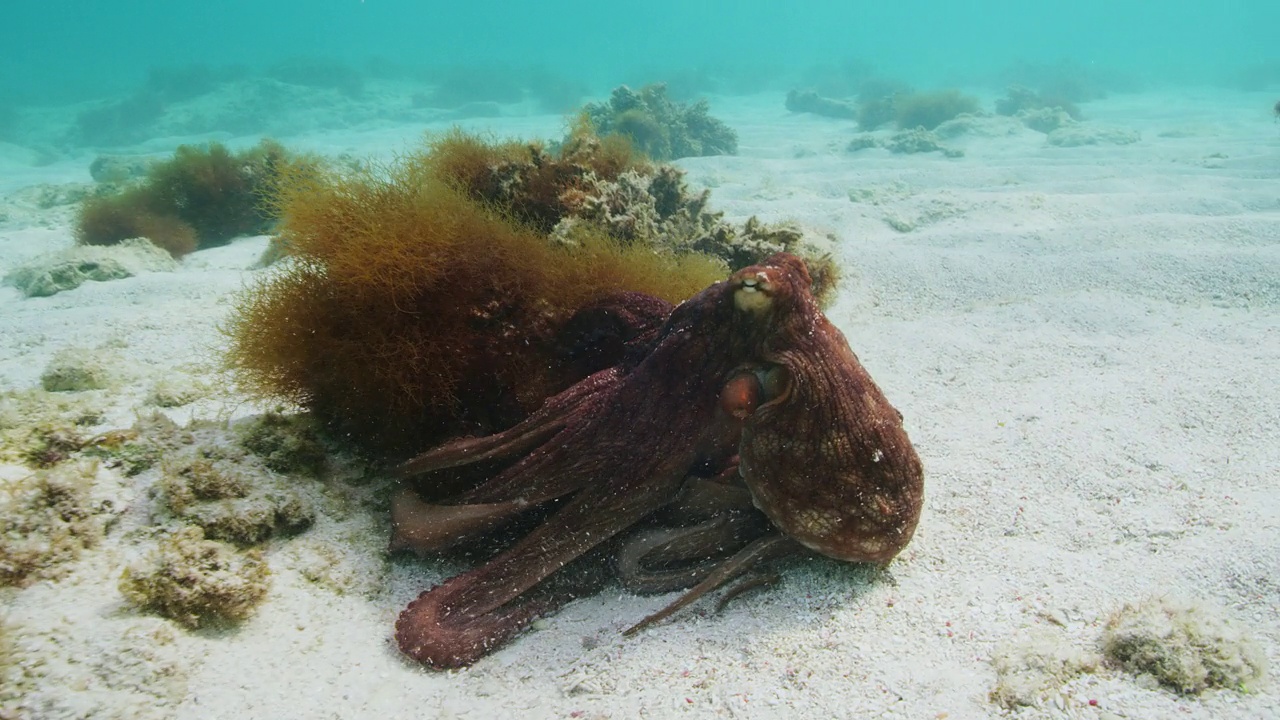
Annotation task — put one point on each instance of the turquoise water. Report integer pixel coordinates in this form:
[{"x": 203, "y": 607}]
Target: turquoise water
[
  {"x": 69, "y": 50},
  {"x": 96, "y": 76}
]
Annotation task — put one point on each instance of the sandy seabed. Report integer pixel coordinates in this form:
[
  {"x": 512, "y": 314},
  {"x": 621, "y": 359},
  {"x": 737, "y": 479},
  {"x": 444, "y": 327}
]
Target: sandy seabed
[{"x": 1085, "y": 342}]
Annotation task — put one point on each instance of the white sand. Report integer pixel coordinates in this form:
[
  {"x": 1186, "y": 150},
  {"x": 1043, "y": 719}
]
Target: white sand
[{"x": 1085, "y": 343}]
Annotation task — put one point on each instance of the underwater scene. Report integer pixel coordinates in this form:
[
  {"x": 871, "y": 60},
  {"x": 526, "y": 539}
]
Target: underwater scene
[{"x": 387, "y": 359}]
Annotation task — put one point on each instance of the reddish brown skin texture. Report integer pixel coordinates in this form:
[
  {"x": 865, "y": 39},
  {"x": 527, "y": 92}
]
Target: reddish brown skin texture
[
  {"x": 773, "y": 383},
  {"x": 826, "y": 456}
]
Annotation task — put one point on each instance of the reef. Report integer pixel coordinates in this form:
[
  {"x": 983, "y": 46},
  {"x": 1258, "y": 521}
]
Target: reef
[
  {"x": 888, "y": 102},
  {"x": 1068, "y": 81},
  {"x": 69, "y": 269},
  {"x": 659, "y": 127},
  {"x": 429, "y": 298},
  {"x": 244, "y": 492},
  {"x": 201, "y": 197},
  {"x": 1187, "y": 646},
  {"x": 735, "y": 428},
  {"x": 929, "y": 110},
  {"x": 907, "y": 142},
  {"x": 197, "y": 582},
  {"x": 1019, "y": 99},
  {"x": 1045, "y": 120},
  {"x": 219, "y": 491}
]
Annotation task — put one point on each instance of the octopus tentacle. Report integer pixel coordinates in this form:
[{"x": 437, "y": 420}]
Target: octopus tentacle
[
  {"x": 424, "y": 527},
  {"x": 458, "y": 622},
  {"x": 769, "y": 547},
  {"x": 554, "y": 416},
  {"x": 674, "y": 550},
  {"x": 701, "y": 498},
  {"x": 747, "y": 584}
]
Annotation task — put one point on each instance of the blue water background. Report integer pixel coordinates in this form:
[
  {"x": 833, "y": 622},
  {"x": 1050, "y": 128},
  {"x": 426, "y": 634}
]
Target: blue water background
[{"x": 67, "y": 50}]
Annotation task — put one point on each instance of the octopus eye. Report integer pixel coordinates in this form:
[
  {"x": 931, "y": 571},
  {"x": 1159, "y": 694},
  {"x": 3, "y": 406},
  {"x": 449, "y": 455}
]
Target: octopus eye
[{"x": 753, "y": 293}]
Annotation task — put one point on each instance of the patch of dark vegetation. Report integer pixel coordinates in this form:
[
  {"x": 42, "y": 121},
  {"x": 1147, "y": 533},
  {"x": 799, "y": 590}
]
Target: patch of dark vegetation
[
  {"x": 201, "y": 197},
  {"x": 660, "y": 128}
]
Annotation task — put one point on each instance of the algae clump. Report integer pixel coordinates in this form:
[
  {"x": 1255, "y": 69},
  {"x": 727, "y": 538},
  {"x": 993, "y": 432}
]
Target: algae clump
[
  {"x": 1187, "y": 646},
  {"x": 197, "y": 582},
  {"x": 48, "y": 518},
  {"x": 410, "y": 308}
]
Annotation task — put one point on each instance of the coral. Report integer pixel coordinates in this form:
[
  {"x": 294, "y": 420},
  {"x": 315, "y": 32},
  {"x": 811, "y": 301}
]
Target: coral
[
  {"x": 48, "y": 518},
  {"x": 537, "y": 186},
  {"x": 1187, "y": 646},
  {"x": 202, "y": 196},
  {"x": 1045, "y": 120},
  {"x": 197, "y": 582},
  {"x": 808, "y": 101},
  {"x": 1027, "y": 670},
  {"x": 929, "y": 110},
  {"x": 918, "y": 141},
  {"x": 906, "y": 142},
  {"x": 230, "y": 497},
  {"x": 662, "y": 129},
  {"x": 192, "y": 479},
  {"x": 598, "y": 184},
  {"x": 421, "y": 300},
  {"x": 1019, "y": 99},
  {"x": 69, "y": 269}
]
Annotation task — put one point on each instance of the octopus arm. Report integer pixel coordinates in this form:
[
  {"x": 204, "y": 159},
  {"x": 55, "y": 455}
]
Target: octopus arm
[
  {"x": 554, "y": 415},
  {"x": 458, "y": 622}
]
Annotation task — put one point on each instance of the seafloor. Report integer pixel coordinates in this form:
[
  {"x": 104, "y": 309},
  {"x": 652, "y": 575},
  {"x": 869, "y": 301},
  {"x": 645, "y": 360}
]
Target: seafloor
[{"x": 1084, "y": 340}]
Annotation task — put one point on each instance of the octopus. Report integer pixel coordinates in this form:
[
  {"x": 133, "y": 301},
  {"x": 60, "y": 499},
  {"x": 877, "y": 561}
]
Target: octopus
[{"x": 733, "y": 429}]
